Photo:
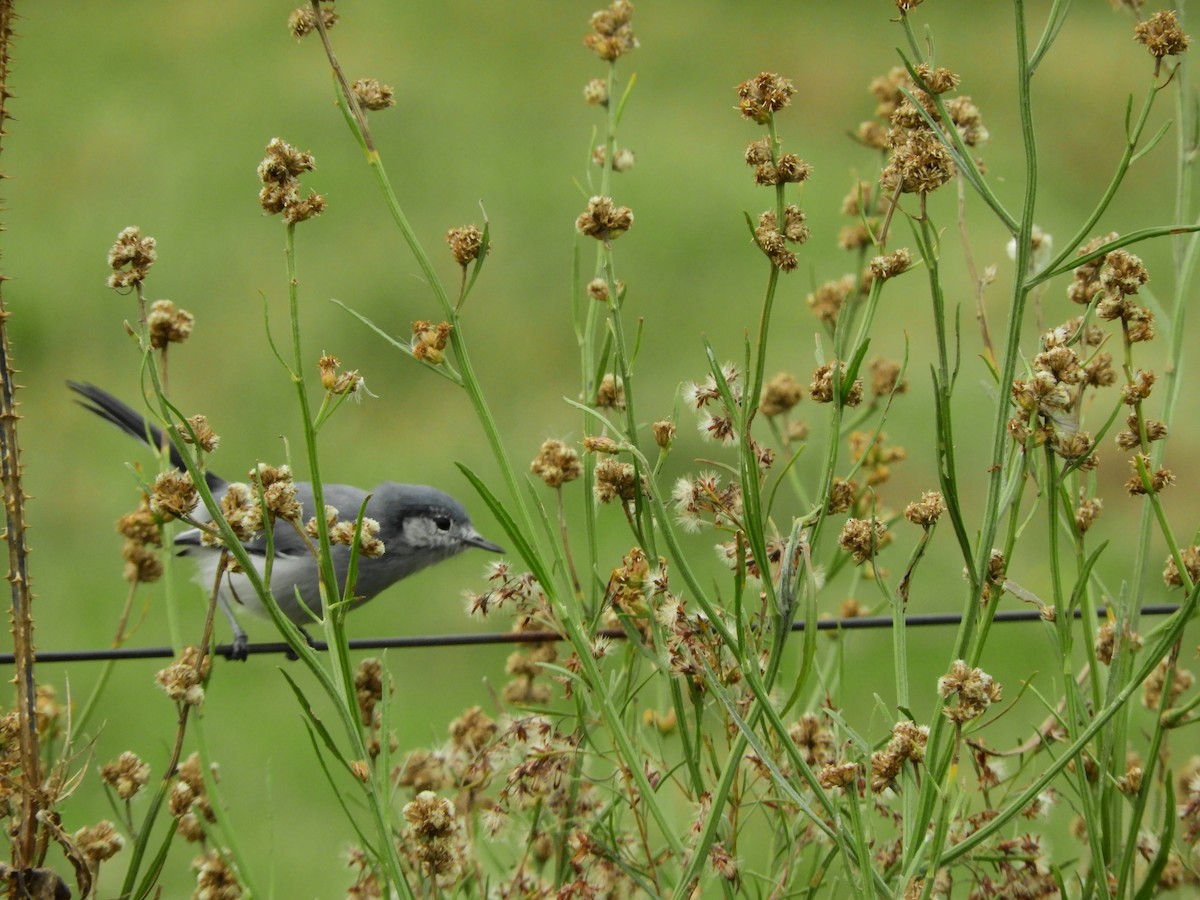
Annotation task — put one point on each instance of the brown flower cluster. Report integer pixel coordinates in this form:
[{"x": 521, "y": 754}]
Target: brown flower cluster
[
  {"x": 429, "y": 341},
  {"x": 335, "y": 382},
  {"x": 280, "y": 173},
  {"x": 167, "y": 324},
  {"x": 433, "y": 837},
  {"x": 466, "y": 243},
  {"x": 612, "y": 35},
  {"x": 1049, "y": 400},
  {"x": 140, "y": 529},
  {"x": 926, "y": 511},
  {"x": 907, "y": 744},
  {"x": 604, "y": 220},
  {"x": 1161, "y": 35},
  {"x": 764, "y": 95},
  {"x": 874, "y": 456},
  {"x": 827, "y": 300},
  {"x": 184, "y": 679},
  {"x": 773, "y": 240},
  {"x": 863, "y": 538},
  {"x": 822, "y": 387},
  {"x": 703, "y": 500},
  {"x": 1191, "y": 562},
  {"x": 556, "y": 464},
  {"x": 975, "y": 691},
  {"x": 131, "y": 258},
  {"x": 919, "y": 161},
  {"x": 372, "y": 95},
  {"x": 780, "y": 394},
  {"x": 303, "y": 20},
  {"x": 126, "y": 775}
]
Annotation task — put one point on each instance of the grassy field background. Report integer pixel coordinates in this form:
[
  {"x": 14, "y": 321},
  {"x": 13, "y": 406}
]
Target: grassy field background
[{"x": 156, "y": 114}]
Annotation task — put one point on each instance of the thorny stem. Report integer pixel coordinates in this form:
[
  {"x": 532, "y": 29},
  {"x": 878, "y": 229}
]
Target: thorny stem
[{"x": 25, "y": 839}]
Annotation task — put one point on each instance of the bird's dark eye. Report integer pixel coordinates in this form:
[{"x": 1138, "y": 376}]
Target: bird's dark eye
[{"x": 442, "y": 523}]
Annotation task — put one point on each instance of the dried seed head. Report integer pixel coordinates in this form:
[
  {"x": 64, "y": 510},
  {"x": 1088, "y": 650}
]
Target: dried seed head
[
  {"x": 368, "y": 688},
  {"x": 612, "y": 34},
  {"x": 937, "y": 80},
  {"x": 130, "y": 258},
  {"x": 369, "y": 544},
  {"x": 556, "y": 464},
  {"x": 895, "y": 263},
  {"x": 841, "y": 496},
  {"x": 1161, "y": 35},
  {"x": 863, "y": 538},
  {"x": 603, "y": 220},
  {"x": 173, "y": 494},
  {"x": 183, "y": 680},
  {"x": 925, "y": 512},
  {"x": 965, "y": 116},
  {"x": 466, "y": 243},
  {"x": 780, "y": 394},
  {"x": 821, "y": 388},
  {"x": 127, "y": 775},
  {"x": 198, "y": 432},
  {"x": 98, "y": 842},
  {"x": 279, "y": 173},
  {"x": 372, "y": 95},
  {"x": 429, "y": 341},
  {"x": 664, "y": 432},
  {"x": 975, "y": 689},
  {"x": 303, "y": 21},
  {"x": 1122, "y": 273},
  {"x": 827, "y": 300},
  {"x": 920, "y": 162},
  {"x": 615, "y": 480},
  {"x": 763, "y": 95},
  {"x": 611, "y": 393},
  {"x": 1191, "y": 562},
  {"x": 168, "y": 325},
  {"x": 595, "y": 92}
]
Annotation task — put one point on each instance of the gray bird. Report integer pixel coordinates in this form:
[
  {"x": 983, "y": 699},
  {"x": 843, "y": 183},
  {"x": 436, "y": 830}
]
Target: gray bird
[{"x": 419, "y": 526}]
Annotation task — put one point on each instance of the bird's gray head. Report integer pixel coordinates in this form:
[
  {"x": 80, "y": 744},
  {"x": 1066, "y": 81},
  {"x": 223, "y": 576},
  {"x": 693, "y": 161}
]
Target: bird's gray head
[{"x": 425, "y": 521}]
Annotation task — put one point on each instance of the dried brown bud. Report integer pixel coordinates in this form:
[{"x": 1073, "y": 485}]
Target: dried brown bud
[
  {"x": 764, "y": 95},
  {"x": 466, "y": 243},
  {"x": 372, "y": 95},
  {"x": 603, "y": 220},
  {"x": 556, "y": 464},
  {"x": 131, "y": 258},
  {"x": 1161, "y": 34}
]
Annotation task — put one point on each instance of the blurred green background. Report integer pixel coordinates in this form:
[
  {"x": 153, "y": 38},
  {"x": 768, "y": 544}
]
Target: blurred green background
[{"x": 156, "y": 114}]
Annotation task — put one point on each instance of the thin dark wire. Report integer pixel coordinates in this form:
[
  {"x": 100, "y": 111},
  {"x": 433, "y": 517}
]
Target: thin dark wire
[{"x": 524, "y": 637}]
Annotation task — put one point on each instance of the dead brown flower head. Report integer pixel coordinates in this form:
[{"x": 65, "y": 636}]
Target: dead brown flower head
[
  {"x": 612, "y": 35},
  {"x": 183, "y": 680},
  {"x": 99, "y": 842},
  {"x": 466, "y": 243},
  {"x": 168, "y": 325},
  {"x": 926, "y": 511},
  {"x": 280, "y": 173},
  {"x": 303, "y": 21},
  {"x": 919, "y": 164},
  {"x": 197, "y": 431},
  {"x": 603, "y": 220},
  {"x": 763, "y": 95},
  {"x": 173, "y": 494},
  {"x": 127, "y": 775},
  {"x": 615, "y": 480},
  {"x": 372, "y": 95},
  {"x": 556, "y": 464},
  {"x": 975, "y": 689},
  {"x": 863, "y": 538},
  {"x": 611, "y": 392},
  {"x": 1191, "y": 562},
  {"x": 826, "y": 301},
  {"x": 429, "y": 341},
  {"x": 131, "y": 258},
  {"x": 780, "y": 394},
  {"x": 1161, "y": 35},
  {"x": 895, "y": 263}
]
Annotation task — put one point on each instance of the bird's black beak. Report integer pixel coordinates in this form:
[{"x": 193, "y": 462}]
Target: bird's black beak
[{"x": 478, "y": 540}]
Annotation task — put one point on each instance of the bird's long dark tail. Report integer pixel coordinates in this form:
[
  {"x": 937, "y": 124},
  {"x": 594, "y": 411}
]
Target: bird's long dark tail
[{"x": 129, "y": 420}]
